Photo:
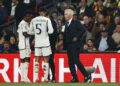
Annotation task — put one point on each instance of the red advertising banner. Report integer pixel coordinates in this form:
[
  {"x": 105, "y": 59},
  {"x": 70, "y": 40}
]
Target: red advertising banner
[{"x": 107, "y": 67}]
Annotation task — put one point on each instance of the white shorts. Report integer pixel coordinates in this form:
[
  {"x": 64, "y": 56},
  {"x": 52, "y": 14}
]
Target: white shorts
[
  {"x": 25, "y": 53},
  {"x": 45, "y": 51}
]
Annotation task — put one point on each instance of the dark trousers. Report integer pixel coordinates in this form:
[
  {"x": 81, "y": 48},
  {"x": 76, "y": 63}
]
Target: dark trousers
[
  {"x": 52, "y": 65},
  {"x": 51, "y": 60},
  {"x": 73, "y": 59}
]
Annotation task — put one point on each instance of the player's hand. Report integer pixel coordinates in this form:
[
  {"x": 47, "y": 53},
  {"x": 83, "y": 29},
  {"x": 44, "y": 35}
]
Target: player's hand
[
  {"x": 85, "y": 47},
  {"x": 75, "y": 39}
]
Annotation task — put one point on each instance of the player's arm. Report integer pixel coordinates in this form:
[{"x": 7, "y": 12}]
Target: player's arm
[
  {"x": 50, "y": 27},
  {"x": 26, "y": 34},
  {"x": 25, "y": 30},
  {"x": 31, "y": 29}
]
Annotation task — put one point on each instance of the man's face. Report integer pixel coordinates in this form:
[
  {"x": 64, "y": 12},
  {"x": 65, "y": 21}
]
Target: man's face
[
  {"x": 67, "y": 16},
  {"x": 42, "y": 13},
  {"x": 12, "y": 40},
  {"x": 117, "y": 20},
  {"x": 101, "y": 26},
  {"x": 1, "y": 40},
  {"x": 86, "y": 20},
  {"x": 100, "y": 2},
  {"x": 64, "y": 5},
  {"x": 90, "y": 43},
  {"x": 29, "y": 17},
  {"x": 97, "y": 13},
  {"x": 101, "y": 18},
  {"x": 54, "y": 15},
  {"x": 6, "y": 46},
  {"x": 83, "y": 3},
  {"x": 104, "y": 34},
  {"x": 118, "y": 28}
]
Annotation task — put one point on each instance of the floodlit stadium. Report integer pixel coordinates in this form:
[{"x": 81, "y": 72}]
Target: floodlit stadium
[{"x": 59, "y": 42}]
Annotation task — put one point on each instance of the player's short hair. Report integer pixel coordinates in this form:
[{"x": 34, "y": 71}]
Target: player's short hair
[
  {"x": 27, "y": 12},
  {"x": 54, "y": 12},
  {"x": 69, "y": 11},
  {"x": 42, "y": 9}
]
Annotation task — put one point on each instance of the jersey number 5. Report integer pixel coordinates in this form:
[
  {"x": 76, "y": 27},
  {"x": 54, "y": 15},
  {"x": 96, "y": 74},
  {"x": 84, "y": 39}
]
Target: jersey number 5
[{"x": 38, "y": 27}]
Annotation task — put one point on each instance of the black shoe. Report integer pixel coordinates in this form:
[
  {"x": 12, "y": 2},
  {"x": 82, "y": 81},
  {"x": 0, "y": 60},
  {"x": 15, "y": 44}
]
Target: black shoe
[
  {"x": 88, "y": 79},
  {"x": 74, "y": 81},
  {"x": 53, "y": 81}
]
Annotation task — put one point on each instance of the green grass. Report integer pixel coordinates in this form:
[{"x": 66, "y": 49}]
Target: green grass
[{"x": 59, "y": 84}]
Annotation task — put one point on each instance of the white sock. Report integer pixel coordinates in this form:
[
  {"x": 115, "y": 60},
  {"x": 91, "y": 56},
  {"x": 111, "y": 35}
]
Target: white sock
[
  {"x": 46, "y": 70},
  {"x": 26, "y": 72},
  {"x": 36, "y": 70},
  {"x": 22, "y": 71}
]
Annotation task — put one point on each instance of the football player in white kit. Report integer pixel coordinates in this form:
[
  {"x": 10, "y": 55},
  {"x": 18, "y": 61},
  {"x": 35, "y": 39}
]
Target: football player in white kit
[
  {"x": 24, "y": 45},
  {"x": 40, "y": 27}
]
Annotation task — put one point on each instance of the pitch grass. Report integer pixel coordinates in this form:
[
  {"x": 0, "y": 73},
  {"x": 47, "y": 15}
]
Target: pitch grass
[{"x": 59, "y": 84}]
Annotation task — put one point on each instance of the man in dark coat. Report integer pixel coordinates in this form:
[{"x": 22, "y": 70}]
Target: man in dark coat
[
  {"x": 72, "y": 38},
  {"x": 53, "y": 40}
]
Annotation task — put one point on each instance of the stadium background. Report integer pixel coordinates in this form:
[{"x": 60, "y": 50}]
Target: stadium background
[{"x": 98, "y": 14}]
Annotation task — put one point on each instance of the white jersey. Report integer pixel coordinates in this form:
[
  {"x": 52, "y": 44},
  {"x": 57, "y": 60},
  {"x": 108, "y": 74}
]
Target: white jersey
[
  {"x": 23, "y": 41},
  {"x": 40, "y": 27}
]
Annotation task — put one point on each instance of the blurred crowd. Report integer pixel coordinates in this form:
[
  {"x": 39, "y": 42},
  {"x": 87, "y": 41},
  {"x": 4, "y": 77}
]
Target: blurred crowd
[{"x": 101, "y": 18}]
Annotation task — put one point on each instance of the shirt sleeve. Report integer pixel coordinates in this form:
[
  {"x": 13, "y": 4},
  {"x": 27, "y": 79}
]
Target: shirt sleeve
[
  {"x": 24, "y": 28},
  {"x": 50, "y": 27},
  {"x": 31, "y": 29},
  {"x": 18, "y": 29}
]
